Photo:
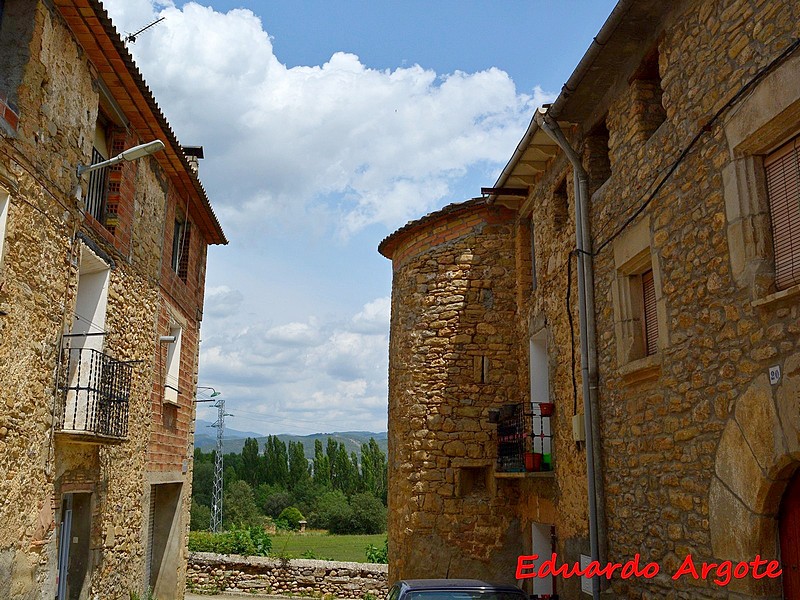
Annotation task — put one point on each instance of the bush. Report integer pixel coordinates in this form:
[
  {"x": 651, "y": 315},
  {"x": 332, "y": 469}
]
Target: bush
[
  {"x": 251, "y": 541},
  {"x": 378, "y": 555},
  {"x": 272, "y": 501},
  {"x": 292, "y": 516}
]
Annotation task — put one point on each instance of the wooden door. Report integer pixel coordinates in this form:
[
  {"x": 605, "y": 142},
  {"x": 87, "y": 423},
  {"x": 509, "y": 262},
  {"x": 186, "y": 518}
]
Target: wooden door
[{"x": 790, "y": 539}]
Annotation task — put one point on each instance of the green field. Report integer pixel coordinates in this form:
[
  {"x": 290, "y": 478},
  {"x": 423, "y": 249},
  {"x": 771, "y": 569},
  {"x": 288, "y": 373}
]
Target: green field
[{"x": 325, "y": 546}]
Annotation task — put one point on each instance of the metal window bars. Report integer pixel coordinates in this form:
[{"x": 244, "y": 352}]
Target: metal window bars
[
  {"x": 96, "y": 192},
  {"x": 94, "y": 393}
]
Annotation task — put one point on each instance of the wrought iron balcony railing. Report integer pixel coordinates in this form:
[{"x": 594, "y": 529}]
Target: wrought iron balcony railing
[
  {"x": 94, "y": 393},
  {"x": 524, "y": 438}
]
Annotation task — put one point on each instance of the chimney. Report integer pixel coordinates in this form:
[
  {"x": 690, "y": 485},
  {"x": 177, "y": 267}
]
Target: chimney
[{"x": 193, "y": 155}]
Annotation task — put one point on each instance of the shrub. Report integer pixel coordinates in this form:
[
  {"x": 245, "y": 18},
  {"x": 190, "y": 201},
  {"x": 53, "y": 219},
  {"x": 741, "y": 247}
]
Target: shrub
[
  {"x": 251, "y": 541},
  {"x": 331, "y": 507},
  {"x": 378, "y": 555},
  {"x": 292, "y": 516}
]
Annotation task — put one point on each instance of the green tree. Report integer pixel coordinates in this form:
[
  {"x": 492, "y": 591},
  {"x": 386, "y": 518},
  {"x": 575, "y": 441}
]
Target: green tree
[
  {"x": 239, "y": 507},
  {"x": 277, "y": 462},
  {"x": 373, "y": 470},
  {"x": 331, "y": 507},
  {"x": 203, "y": 482},
  {"x": 322, "y": 468},
  {"x": 298, "y": 466},
  {"x": 251, "y": 463},
  {"x": 199, "y": 517},
  {"x": 368, "y": 514}
]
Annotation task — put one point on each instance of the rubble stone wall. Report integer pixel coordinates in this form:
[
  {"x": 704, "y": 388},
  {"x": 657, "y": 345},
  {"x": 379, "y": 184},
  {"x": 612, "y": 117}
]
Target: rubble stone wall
[
  {"x": 452, "y": 357},
  {"x": 209, "y": 572}
]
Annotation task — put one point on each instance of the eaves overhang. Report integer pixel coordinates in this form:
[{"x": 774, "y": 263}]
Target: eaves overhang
[{"x": 94, "y": 31}]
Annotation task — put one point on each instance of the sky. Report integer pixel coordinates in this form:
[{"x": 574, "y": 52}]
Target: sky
[{"x": 326, "y": 126}]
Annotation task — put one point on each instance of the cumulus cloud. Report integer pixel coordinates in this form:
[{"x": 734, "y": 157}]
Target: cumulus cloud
[
  {"x": 310, "y": 156},
  {"x": 366, "y": 145},
  {"x": 312, "y": 372}
]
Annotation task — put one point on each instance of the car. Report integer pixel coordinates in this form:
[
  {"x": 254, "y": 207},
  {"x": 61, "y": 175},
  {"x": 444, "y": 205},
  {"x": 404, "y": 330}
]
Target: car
[{"x": 453, "y": 589}]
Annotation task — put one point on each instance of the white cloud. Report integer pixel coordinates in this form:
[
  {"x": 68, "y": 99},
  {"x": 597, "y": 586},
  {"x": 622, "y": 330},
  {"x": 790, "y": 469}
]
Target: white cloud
[{"x": 388, "y": 145}]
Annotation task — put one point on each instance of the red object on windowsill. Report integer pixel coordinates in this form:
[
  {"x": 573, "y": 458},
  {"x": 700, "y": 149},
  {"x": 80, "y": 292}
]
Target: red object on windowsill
[
  {"x": 547, "y": 408},
  {"x": 533, "y": 461}
]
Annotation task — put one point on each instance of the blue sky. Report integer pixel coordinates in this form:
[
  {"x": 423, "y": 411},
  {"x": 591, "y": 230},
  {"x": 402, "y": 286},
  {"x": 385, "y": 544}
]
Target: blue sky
[{"x": 326, "y": 126}]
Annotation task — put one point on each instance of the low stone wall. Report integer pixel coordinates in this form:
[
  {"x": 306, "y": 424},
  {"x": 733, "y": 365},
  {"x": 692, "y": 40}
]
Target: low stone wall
[{"x": 208, "y": 572}]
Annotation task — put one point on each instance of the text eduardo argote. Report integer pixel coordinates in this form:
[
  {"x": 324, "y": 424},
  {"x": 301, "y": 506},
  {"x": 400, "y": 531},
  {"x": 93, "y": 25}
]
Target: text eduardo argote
[{"x": 720, "y": 573}]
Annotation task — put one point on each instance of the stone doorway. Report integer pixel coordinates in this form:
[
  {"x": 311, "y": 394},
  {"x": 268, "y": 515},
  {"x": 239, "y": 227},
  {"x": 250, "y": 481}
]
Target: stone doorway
[
  {"x": 164, "y": 541},
  {"x": 789, "y": 527},
  {"x": 74, "y": 560}
]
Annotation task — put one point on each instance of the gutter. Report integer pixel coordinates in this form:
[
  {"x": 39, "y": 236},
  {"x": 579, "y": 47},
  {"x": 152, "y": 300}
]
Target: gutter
[{"x": 588, "y": 339}]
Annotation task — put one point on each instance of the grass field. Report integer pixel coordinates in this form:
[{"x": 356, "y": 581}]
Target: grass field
[{"x": 325, "y": 546}]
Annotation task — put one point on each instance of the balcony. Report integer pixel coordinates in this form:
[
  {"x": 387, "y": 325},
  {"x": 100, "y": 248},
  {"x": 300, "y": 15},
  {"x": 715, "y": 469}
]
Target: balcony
[
  {"x": 94, "y": 390},
  {"x": 524, "y": 440}
]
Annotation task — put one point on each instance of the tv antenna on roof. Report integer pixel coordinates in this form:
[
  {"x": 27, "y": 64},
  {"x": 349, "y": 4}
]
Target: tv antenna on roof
[{"x": 131, "y": 37}]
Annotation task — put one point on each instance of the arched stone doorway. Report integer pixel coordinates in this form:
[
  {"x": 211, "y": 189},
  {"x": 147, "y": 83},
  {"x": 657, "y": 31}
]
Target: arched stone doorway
[
  {"x": 756, "y": 464},
  {"x": 789, "y": 531}
]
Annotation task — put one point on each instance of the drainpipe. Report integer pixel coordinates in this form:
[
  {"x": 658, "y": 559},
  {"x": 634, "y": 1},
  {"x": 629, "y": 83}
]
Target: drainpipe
[{"x": 588, "y": 335}]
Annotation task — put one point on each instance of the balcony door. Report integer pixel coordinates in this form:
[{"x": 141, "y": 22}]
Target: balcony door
[
  {"x": 789, "y": 527},
  {"x": 85, "y": 343}
]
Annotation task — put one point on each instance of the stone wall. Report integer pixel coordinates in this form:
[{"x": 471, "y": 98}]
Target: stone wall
[
  {"x": 57, "y": 101},
  {"x": 209, "y": 572},
  {"x": 452, "y": 358}
]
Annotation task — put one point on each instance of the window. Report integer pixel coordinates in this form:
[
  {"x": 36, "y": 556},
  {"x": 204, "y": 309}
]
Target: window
[
  {"x": 181, "y": 240},
  {"x": 173, "y": 367},
  {"x": 3, "y": 219},
  {"x": 639, "y": 309},
  {"x": 782, "y": 169},
  {"x": 560, "y": 206},
  {"x": 98, "y": 180},
  {"x": 647, "y": 97}
]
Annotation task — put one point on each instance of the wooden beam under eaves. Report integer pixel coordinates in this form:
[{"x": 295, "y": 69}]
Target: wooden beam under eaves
[{"x": 505, "y": 191}]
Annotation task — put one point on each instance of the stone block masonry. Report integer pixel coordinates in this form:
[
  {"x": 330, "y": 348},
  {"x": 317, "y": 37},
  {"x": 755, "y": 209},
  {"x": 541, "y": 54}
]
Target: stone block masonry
[{"x": 210, "y": 572}]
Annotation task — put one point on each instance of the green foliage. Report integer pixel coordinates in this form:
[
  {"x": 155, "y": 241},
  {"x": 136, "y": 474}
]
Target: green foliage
[
  {"x": 273, "y": 503},
  {"x": 277, "y": 462},
  {"x": 203, "y": 482},
  {"x": 331, "y": 507},
  {"x": 299, "y": 474},
  {"x": 252, "y": 471},
  {"x": 250, "y": 541},
  {"x": 148, "y": 595},
  {"x": 366, "y": 515},
  {"x": 378, "y": 555},
  {"x": 292, "y": 516},
  {"x": 200, "y": 516},
  {"x": 239, "y": 506}
]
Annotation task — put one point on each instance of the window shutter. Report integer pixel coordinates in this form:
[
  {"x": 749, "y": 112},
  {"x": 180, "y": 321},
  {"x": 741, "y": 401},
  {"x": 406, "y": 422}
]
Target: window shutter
[
  {"x": 183, "y": 266},
  {"x": 649, "y": 316},
  {"x": 783, "y": 190}
]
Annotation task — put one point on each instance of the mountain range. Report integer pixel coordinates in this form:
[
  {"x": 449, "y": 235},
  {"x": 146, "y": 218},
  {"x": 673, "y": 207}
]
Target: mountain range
[{"x": 205, "y": 438}]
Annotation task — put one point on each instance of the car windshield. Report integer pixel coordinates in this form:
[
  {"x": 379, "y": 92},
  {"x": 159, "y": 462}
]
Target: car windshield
[{"x": 464, "y": 595}]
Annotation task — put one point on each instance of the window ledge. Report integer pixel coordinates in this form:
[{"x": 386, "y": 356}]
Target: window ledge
[
  {"x": 769, "y": 299},
  {"x": 526, "y": 475},
  {"x": 641, "y": 369}
]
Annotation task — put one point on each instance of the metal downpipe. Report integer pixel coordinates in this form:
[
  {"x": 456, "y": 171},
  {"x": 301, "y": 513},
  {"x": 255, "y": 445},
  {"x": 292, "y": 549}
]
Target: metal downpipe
[{"x": 588, "y": 339}]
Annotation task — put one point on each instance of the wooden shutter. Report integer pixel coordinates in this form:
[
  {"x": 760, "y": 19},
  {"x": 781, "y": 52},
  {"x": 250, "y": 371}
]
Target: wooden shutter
[
  {"x": 789, "y": 532},
  {"x": 783, "y": 190},
  {"x": 649, "y": 315},
  {"x": 183, "y": 265}
]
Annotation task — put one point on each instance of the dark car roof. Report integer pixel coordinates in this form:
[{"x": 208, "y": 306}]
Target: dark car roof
[{"x": 454, "y": 584}]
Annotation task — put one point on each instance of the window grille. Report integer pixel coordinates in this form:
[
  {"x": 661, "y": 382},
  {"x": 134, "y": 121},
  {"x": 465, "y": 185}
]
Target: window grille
[
  {"x": 96, "y": 192},
  {"x": 783, "y": 191},
  {"x": 181, "y": 241},
  {"x": 649, "y": 316}
]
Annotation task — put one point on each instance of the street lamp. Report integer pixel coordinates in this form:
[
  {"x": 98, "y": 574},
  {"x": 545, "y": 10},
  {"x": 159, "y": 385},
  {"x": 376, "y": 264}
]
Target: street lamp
[
  {"x": 128, "y": 155},
  {"x": 216, "y": 497}
]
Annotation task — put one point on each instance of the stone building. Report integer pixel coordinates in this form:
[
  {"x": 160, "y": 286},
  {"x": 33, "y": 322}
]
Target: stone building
[
  {"x": 684, "y": 118},
  {"x": 101, "y": 297}
]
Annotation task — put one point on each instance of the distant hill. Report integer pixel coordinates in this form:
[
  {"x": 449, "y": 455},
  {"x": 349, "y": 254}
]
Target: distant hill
[{"x": 205, "y": 438}]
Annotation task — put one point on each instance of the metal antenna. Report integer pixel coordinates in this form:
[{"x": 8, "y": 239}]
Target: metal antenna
[
  {"x": 216, "y": 497},
  {"x": 131, "y": 37}
]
